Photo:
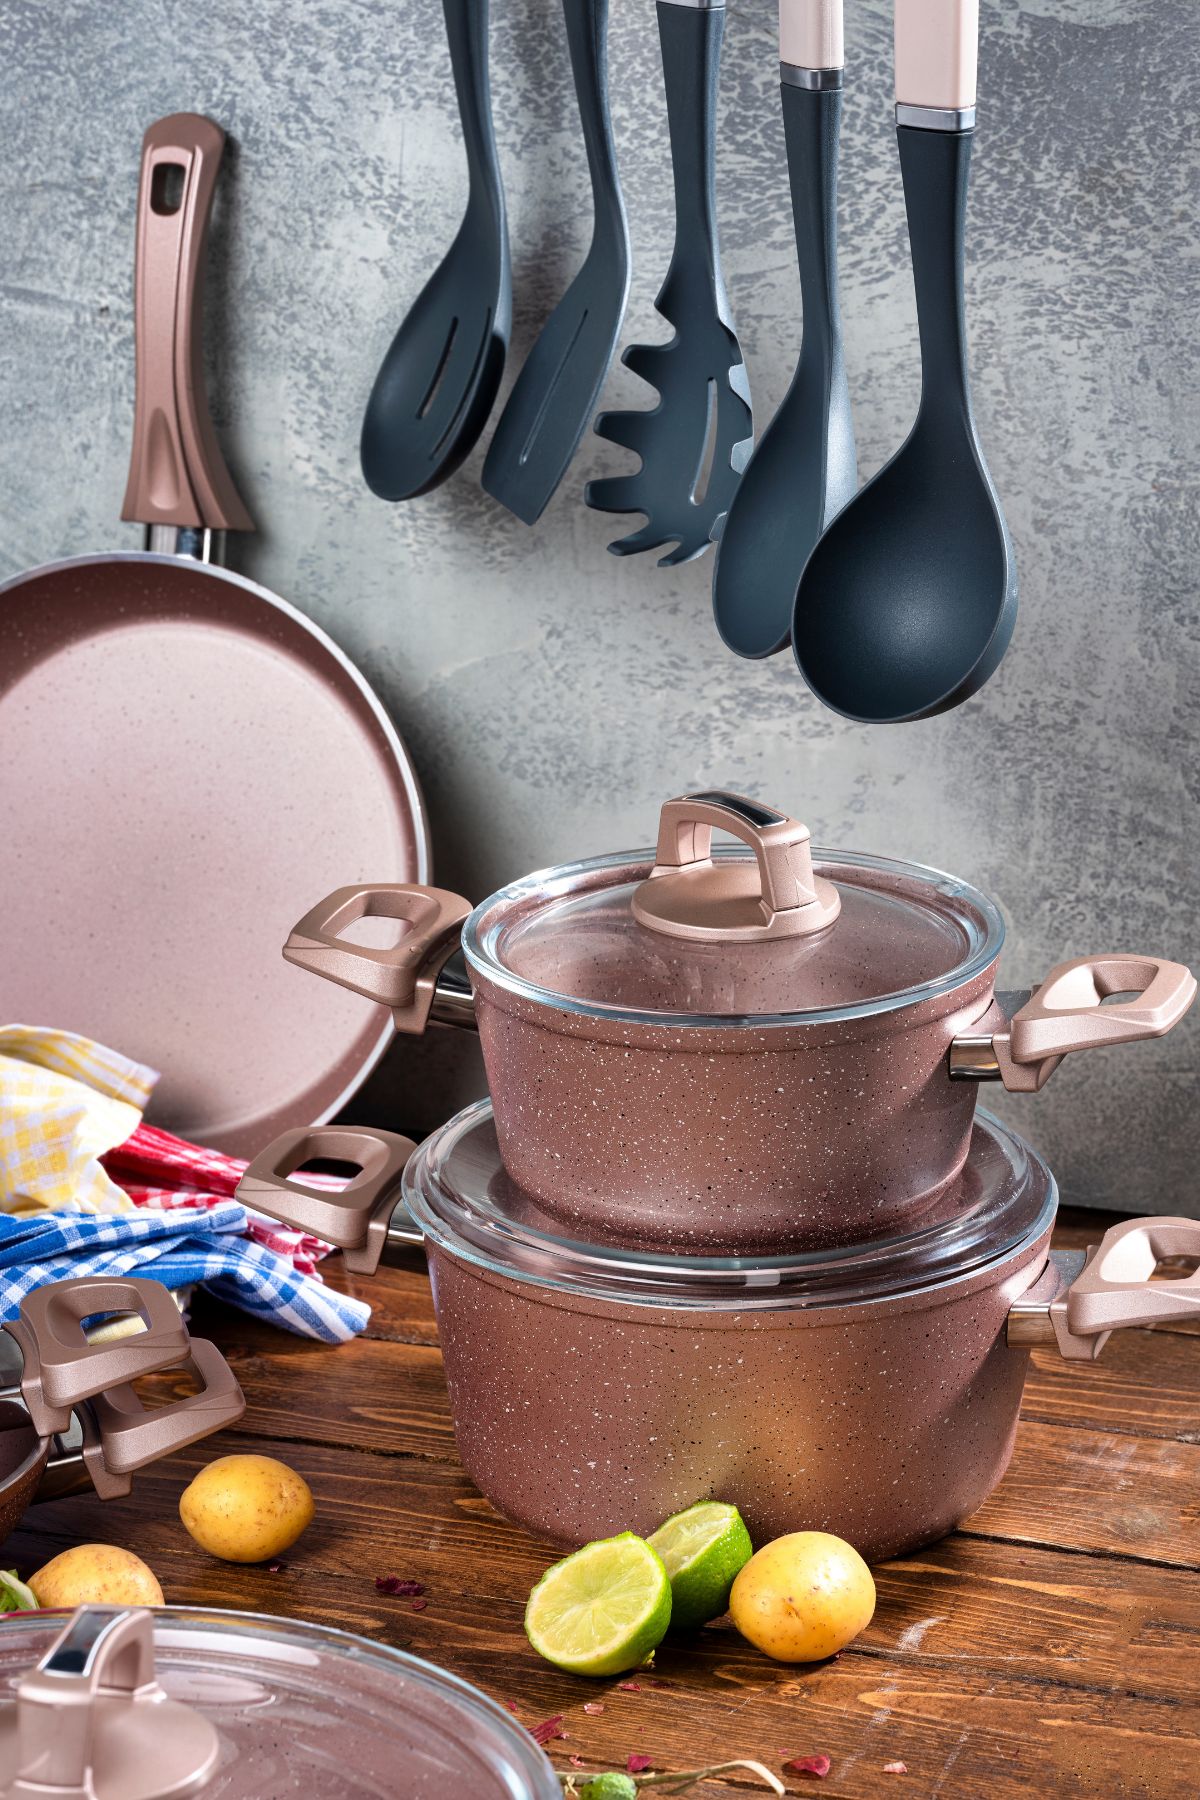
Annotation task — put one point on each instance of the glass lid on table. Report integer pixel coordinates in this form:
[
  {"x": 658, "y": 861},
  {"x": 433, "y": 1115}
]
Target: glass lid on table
[
  {"x": 463, "y": 1200},
  {"x": 232, "y": 1706},
  {"x": 774, "y": 927}
]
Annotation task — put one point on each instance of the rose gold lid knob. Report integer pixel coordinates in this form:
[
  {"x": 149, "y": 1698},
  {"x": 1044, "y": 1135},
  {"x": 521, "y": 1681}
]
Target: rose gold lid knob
[
  {"x": 689, "y": 895},
  {"x": 92, "y": 1723}
]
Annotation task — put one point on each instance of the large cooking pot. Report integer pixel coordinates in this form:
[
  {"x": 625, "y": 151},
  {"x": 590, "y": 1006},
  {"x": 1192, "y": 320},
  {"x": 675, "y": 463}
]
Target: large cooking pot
[
  {"x": 872, "y": 1392},
  {"x": 69, "y": 1417},
  {"x": 128, "y": 1704},
  {"x": 735, "y": 1051}
]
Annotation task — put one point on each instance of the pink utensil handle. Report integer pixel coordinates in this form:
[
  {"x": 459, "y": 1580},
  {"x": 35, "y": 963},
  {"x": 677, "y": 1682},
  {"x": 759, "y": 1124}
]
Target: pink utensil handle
[
  {"x": 61, "y": 1368},
  {"x": 177, "y": 475},
  {"x": 403, "y": 977},
  {"x": 355, "y": 1218},
  {"x": 810, "y": 34},
  {"x": 1068, "y": 1013},
  {"x": 937, "y": 52}
]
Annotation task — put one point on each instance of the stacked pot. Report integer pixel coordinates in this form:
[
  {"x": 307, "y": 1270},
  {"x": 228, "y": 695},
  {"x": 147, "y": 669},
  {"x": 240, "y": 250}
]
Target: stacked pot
[{"x": 730, "y": 1224}]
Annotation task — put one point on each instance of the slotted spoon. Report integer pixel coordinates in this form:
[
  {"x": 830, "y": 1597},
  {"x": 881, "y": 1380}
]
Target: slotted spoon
[{"x": 695, "y": 442}]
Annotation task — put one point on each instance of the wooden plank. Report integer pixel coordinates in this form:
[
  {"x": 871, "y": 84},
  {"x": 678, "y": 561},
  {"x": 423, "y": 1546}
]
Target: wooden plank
[{"x": 1143, "y": 1382}]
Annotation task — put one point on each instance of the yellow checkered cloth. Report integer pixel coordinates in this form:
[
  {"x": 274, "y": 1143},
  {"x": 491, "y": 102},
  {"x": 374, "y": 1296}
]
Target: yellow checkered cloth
[{"x": 64, "y": 1102}]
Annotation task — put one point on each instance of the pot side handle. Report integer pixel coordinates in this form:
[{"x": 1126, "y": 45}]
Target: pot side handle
[
  {"x": 121, "y": 1435},
  {"x": 1112, "y": 1289},
  {"x": 403, "y": 977},
  {"x": 358, "y": 1218},
  {"x": 1068, "y": 1012}
]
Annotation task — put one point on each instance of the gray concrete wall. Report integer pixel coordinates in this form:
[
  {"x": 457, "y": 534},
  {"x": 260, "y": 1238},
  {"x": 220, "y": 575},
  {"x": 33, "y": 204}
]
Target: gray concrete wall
[{"x": 552, "y": 695}]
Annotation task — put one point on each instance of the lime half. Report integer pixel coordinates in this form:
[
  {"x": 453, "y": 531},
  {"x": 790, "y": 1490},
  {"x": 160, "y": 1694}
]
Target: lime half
[
  {"x": 603, "y": 1610},
  {"x": 702, "y": 1550}
]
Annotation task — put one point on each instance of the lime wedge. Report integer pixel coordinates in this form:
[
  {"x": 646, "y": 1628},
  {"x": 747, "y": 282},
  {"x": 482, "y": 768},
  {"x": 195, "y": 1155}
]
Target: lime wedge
[
  {"x": 702, "y": 1550},
  {"x": 603, "y": 1610}
]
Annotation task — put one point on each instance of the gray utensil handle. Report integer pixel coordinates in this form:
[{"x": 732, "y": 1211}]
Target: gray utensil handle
[
  {"x": 467, "y": 35},
  {"x": 587, "y": 41},
  {"x": 936, "y": 168}
]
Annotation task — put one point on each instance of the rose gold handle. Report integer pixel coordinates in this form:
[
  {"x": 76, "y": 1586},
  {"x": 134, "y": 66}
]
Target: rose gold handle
[
  {"x": 810, "y": 34},
  {"x": 121, "y": 1435},
  {"x": 61, "y": 1368},
  {"x": 356, "y": 1218},
  {"x": 1067, "y": 1013},
  {"x": 689, "y": 895},
  {"x": 1112, "y": 1289},
  {"x": 403, "y": 977},
  {"x": 177, "y": 475},
  {"x": 937, "y": 52},
  {"x": 91, "y": 1718}
]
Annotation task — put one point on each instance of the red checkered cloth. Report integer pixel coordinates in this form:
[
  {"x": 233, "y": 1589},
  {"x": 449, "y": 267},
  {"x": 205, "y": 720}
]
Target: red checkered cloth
[{"x": 164, "y": 1172}]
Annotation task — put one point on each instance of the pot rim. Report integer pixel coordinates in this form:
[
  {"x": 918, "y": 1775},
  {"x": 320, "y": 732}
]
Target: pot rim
[
  {"x": 39, "y": 1453},
  {"x": 483, "y": 960},
  {"x": 1006, "y": 1220}
]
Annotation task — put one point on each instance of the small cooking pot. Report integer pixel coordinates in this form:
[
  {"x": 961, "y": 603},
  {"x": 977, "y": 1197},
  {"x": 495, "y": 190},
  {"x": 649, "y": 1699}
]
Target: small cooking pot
[
  {"x": 68, "y": 1414},
  {"x": 872, "y": 1392},
  {"x": 735, "y": 1052},
  {"x": 128, "y": 1704}
]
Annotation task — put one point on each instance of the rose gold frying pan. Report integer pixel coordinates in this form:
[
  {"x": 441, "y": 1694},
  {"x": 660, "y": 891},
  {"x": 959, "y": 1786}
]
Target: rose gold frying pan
[{"x": 181, "y": 752}]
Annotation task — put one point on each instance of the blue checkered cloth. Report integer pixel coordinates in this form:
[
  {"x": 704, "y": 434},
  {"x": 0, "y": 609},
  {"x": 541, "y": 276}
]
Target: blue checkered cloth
[{"x": 182, "y": 1248}]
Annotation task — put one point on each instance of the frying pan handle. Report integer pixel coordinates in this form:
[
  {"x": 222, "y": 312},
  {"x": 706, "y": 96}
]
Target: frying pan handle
[
  {"x": 937, "y": 53},
  {"x": 61, "y": 1367},
  {"x": 121, "y": 1435},
  {"x": 356, "y": 1218},
  {"x": 692, "y": 900},
  {"x": 810, "y": 34},
  {"x": 1067, "y": 1012},
  {"x": 404, "y": 977},
  {"x": 1111, "y": 1287},
  {"x": 177, "y": 475}
]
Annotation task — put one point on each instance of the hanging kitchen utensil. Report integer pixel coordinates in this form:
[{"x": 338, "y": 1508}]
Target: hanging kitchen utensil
[
  {"x": 129, "y": 1704},
  {"x": 559, "y": 386},
  {"x": 164, "y": 727},
  {"x": 908, "y": 603},
  {"x": 735, "y": 1049},
  {"x": 69, "y": 1417},
  {"x": 693, "y": 445},
  {"x": 440, "y": 378},
  {"x": 803, "y": 471},
  {"x": 871, "y": 1390}
]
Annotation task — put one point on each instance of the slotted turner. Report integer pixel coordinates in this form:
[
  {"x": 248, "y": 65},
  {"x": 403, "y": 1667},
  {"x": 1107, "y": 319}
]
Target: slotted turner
[
  {"x": 696, "y": 441},
  {"x": 556, "y": 392}
]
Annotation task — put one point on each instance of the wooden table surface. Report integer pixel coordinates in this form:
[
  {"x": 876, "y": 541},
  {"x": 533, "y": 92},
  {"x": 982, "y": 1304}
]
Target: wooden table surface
[{"x": 1050, "y": 1647}]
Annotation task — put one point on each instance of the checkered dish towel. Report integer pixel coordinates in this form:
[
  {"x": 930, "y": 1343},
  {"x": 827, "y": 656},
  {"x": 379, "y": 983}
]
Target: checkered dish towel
[
  {"x": 179, "y": 1249},
  {"x": 64, "y": 1101}
]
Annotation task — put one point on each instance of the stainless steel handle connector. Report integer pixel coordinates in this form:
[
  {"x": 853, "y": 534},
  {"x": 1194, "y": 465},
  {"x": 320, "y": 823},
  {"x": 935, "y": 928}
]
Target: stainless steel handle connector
[
  {"x": 936, "y": 118},
  {"x": 818, "y": 81}
]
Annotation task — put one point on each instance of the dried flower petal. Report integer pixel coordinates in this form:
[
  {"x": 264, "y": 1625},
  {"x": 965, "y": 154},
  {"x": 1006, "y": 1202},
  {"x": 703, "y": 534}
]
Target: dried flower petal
[
  {"x": 276, "y": 1568},
  {"x": 630, "y": 1687},
  {"x": 512, "y": 1706},
  {"x": 548, "y": 1729},
  {"x": 637, "y": 1765},
  {"x": 817, "y": 1766},
  {"x": 576, "y": 1762},
  {"x": 392, "y": 1584},
  {"x": 593, "y": 1706},
  {"x": 417, "y": 1605},
  {"x": 896, "y": 1768}
]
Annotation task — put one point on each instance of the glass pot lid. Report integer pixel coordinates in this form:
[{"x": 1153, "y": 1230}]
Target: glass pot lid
[
  {"x": 255, "y": 1707},
  {"x": 461, "y": 1197},
  {"x": 771, "y": 931}
]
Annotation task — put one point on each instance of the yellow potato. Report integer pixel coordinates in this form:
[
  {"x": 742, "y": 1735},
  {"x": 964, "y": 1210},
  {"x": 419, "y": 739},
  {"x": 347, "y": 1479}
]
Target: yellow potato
[
  {"x": 98, "y": 1574},
  {"x": 246, "y": 1508},
  {"x": 803, "y": 1596}
]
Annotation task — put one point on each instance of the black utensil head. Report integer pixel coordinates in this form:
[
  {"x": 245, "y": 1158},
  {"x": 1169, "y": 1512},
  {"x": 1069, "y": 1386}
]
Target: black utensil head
[
  {"x": 439, "y": 380},
  {"x": 907, "y": 605},
  {"x": 694, "y": 444},
  {"x": 556, "y": 392}
]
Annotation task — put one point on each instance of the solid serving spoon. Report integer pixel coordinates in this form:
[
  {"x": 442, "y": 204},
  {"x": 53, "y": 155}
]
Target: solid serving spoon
[
  {"x": 908, "y": 602},
  {"x": 439, "y": 380}
]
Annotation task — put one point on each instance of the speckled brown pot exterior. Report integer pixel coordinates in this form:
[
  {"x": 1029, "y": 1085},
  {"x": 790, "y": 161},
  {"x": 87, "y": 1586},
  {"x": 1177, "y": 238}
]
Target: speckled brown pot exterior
[
  {"x": 887, "y": 1422},
  {"x": 23, "y": 1458},
  {"x": 734, "y": 1140}
]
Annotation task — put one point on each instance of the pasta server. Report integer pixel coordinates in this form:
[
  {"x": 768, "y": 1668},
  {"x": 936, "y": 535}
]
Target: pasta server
[{"x": 695, "y": 442}]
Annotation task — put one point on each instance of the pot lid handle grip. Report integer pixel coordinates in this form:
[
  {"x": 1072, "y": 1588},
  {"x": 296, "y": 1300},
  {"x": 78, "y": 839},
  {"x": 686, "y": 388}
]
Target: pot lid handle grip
[
  {"x": 402, "y": 977},
  {"x": 688, "y": 894},
  {"x": 355, "y": 1218},
  {"x": 121, "y": 1435},
  {"x": 92, "y": 1722},
  {"x": 61, "y": 1368},
  {"x": 1068, "y": 1012}
]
